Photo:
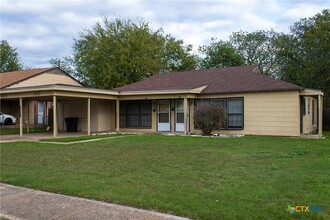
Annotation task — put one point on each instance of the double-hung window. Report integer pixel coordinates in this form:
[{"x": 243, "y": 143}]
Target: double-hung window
[{"x": 235, "y": 113}]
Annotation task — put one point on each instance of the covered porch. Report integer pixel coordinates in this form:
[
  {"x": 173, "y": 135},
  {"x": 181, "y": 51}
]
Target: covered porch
[
  {"x": 156, "y": 111},
  {"x": 94, "y": 108}
]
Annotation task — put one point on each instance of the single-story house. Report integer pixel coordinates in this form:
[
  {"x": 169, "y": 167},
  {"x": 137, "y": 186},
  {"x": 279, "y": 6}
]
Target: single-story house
[{"x": 255, "y": 104}]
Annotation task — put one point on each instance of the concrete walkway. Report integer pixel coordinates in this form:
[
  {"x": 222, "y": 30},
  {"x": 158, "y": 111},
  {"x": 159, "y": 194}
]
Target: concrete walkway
[
  {"x": 23, "y": 203},
  {"x": 37, "y": 136}
]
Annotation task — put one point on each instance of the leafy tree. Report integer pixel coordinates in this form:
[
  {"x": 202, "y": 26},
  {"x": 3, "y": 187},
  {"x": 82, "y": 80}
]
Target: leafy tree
[
  {"x": 220, "y": 54},
  {"x": 178, "y": 57},
  {"x": 304, "y": 57},
  {"x": 118, "y": 52},
  {"x": 209, "y": 118},
  {"x": 67, "y": 64},
  {"x": 258, "y": 47},
  {"x": 9, "y": 58}
]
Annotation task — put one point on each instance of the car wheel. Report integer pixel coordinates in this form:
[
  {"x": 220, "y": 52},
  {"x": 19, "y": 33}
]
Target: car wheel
[{"x": 8, "y": 121}]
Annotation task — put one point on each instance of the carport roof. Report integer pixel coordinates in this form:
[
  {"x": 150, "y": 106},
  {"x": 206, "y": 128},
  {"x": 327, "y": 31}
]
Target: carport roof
[{"x": 58, "y": 90}]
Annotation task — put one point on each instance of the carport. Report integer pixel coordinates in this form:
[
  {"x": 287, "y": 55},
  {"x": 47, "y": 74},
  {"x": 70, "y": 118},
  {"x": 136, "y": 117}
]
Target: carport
[{"x": 102, "y": 105}]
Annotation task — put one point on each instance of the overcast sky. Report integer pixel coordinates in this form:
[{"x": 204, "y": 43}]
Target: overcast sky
[{"x": 44, "y": 29}]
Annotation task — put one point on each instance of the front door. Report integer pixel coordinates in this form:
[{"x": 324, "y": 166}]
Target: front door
[
  {"x": 164, "y": 111},
  {"x": 41, "y": 112},
  {"x": 179, "y": 115}
]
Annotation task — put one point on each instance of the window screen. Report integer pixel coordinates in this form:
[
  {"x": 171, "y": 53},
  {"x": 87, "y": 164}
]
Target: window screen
[
  {"x": 235, "y": 113},
  {"x": 199, "y": 102},
  {"x": 221, "y": 102},
  {"x": 135, "y": 114},
  {"x": 233, "y": 107},
  {"x": 145, "y": 114}
]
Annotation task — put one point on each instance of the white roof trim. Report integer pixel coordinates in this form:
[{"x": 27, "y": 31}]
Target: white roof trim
[
  {"x": 58, "y": 88},
  {"x": 197, "y": 90}
]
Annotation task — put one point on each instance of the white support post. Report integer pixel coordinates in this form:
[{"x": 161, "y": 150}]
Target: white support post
[
  {"x": 20, "y": 117},
  {"x": 55, "y": 126},
  {"x": 117, "y": 115},
  {"x": 320, "y": 114},
  {"x": 28, "y": 117},
  {"x": 185, "y": 115},
  {"x": 88, "y": 116}
]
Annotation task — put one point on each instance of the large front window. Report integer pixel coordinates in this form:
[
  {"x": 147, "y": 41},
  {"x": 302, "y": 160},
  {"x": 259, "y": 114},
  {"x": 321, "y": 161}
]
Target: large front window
[
  {"x": 233, "y": 107},
  {"x": 235, "y": 113},
  {"x": 135, "y": 114}
]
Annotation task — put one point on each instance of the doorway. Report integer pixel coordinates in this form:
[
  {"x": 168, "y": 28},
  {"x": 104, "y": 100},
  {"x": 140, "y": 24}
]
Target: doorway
[
  {"x": 164, "y": 112},
  {"x": 179, "y": 116}
]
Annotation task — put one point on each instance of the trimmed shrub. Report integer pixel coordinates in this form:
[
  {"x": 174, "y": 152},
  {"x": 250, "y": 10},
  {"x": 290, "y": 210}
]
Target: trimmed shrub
[{"x": 209, "y": 118}]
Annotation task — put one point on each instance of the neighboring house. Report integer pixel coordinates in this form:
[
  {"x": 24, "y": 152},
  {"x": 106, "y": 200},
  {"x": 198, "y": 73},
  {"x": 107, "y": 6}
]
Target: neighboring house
[
  {"x": 38, "y": 109},
  {"x": 256, "y": 104}
]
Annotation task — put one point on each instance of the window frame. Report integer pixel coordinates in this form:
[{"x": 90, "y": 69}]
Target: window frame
[
  {"x": 176, "y": 110},
  {"x": 313, "y": 112},
  {"x": 227, "y": 127},
  {"x": 304, "y": 106},
  {"x": 235, "y": 128}
]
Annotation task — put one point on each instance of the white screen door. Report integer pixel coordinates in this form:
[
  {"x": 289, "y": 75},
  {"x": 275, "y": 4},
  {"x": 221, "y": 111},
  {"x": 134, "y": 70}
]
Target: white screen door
[
  {"x": 179, "y": 115},
  {"x": 41, "y": 112},
  {"x": 164, "y": 115}
]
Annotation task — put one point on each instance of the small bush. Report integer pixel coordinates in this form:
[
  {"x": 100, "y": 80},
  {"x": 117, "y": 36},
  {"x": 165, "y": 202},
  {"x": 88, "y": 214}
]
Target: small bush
[{"x": 209, "y": 118}]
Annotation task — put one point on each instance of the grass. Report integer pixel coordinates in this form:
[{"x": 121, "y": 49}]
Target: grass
[
  {"x": 9, "y": 131},
  {"x": 197, "y": 177},
  {"x": 80, "y": 138}
]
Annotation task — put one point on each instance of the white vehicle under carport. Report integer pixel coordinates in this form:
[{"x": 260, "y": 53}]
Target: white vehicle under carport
[{"x": 7, "y": 119}]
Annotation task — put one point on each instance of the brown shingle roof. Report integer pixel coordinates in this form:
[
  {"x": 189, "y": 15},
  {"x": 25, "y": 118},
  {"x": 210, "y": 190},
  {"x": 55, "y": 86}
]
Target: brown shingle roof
[
  {"x": 9, "y": 78},
  {"x": 218, "y": 81}
]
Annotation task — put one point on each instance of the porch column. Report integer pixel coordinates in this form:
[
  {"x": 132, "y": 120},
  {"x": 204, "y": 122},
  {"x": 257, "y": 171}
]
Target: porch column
[
  {"x": 20, "y": 117},
  {"x": 320, "y": 114},
  {"x": 28, "y": 117},
  {"x": 55, "y": 126},
  {"x": 117, "y": 115},
  {"x": 185, "y": 115},
  {"x": 88, "y": 116}
]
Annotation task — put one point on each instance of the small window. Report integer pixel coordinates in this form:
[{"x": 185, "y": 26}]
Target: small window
[
  {"x": 163, "y": 118},
  {"x": 304, "y": 106},
  {"x": 180, "y": 117},
  {"x": 308, "y": 105}
]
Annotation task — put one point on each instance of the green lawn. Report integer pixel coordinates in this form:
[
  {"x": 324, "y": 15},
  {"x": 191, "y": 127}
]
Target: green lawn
[
  {"x": 197, "y": 177},
  {"x": 9, "y": 131}
]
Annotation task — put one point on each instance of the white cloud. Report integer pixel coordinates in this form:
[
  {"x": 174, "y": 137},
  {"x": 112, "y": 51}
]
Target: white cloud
[
  {"x": 42, "y": 29},
  {"x": 308, "y": 10}
]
